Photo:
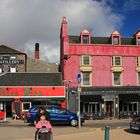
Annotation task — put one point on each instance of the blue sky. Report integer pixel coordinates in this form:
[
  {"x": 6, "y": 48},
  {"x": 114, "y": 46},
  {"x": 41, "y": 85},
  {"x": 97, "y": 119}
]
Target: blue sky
[
  {"x": 130, "y": 10},
  {"x": 25, "y": 22}
]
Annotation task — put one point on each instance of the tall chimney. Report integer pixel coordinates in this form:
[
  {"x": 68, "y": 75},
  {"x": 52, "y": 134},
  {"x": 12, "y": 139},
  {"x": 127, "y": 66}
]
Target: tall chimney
[{"x": 36, "y": 50}]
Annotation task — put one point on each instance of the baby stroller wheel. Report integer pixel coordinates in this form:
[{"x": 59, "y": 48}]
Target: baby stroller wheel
[{"x": 51, "y": 136}]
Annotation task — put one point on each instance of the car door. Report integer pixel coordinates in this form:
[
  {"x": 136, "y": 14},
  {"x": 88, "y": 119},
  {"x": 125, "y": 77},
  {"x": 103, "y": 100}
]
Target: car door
[{"x": 61, "y": 116}]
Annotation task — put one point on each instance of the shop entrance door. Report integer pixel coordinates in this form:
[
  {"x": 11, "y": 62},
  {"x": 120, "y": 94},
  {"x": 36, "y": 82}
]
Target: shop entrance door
[
  {"x": 109, "y": 109},
  {"x": 8, "y": 109}
]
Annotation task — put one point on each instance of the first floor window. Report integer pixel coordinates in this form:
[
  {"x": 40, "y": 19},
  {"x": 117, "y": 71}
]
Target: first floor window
[
  {"x": 138, "y": 41},
  {"x": 116, "y": 61},
  {"x": 117, "y": 78},
  {"x": 13, "y": 69},
  {"x": 86, "y": 78},
  {"x": 86, "y": 60},
  {"x": 138, "y": 78},
  {"x": 1, "y": 70}
]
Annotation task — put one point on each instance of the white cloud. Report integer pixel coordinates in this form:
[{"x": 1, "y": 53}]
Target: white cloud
[{"x": 25, "y": 22}]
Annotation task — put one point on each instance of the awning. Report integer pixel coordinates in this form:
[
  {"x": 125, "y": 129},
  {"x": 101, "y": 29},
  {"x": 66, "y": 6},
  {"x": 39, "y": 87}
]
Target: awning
[
  {"x": 6, "y": 99},
  {"x": 110, "y": 90}
]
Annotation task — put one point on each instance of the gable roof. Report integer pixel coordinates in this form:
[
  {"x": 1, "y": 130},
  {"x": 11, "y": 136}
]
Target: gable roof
[
  {"x": 5, "y": 50},
  {"x": 31, "y": 79}
]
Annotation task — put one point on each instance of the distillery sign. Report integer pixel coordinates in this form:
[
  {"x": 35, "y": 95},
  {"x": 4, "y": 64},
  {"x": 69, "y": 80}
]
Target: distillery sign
[{"x": 10, "y": 60}]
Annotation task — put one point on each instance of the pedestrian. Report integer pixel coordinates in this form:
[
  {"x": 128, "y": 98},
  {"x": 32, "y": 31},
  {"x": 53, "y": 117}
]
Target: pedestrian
[
  {"x": 41, "y": 112},
  {"x": 14, "y": 115}
]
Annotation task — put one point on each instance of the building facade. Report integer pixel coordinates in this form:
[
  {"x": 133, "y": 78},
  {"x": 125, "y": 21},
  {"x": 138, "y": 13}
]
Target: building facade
[
  {"x": 26, "y": 81},
  {"x": 110, "y": 71}
]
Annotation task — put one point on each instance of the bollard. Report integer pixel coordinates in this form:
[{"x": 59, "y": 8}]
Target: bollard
[{"x": 107, "y": 133}]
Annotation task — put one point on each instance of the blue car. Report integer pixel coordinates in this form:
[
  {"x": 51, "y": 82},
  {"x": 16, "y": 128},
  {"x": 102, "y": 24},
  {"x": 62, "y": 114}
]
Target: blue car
[{"x": 58, "y": 115}]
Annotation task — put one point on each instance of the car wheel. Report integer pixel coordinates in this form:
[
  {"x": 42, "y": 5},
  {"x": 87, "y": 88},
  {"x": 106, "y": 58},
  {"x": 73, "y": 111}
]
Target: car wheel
[{"x": 74, "y": 122}]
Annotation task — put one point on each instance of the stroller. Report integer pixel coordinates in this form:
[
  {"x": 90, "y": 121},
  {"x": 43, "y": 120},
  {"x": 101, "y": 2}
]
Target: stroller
[{"x": 43, "y": 130}]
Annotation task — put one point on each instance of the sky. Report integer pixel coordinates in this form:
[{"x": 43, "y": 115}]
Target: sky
[{"x": 25, "y": 22}]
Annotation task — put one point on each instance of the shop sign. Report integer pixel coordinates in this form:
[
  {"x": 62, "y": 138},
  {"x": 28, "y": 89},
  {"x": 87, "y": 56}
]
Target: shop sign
[{"x": 32, "y": 91}]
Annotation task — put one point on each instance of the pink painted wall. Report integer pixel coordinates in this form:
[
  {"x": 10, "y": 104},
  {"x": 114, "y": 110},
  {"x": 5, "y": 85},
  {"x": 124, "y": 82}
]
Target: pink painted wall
[
  {"x": 101, "y": 71},
  {"x": 71, "y": 69},
  {"x": 129, "y": 73}
]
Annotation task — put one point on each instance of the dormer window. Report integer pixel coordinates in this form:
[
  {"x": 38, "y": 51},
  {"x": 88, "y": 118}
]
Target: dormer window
[
  {"x": 85, "y": 39},
  {"x": 116, "y": 40}
]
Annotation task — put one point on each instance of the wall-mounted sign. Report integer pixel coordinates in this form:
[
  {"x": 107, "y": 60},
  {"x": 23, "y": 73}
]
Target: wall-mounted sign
[
  {"x": 33, "y": 91},
  {"x": 9, "y": 60}
]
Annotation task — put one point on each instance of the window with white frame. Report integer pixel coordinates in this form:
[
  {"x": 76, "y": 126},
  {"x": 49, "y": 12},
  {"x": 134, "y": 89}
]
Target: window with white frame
[
  {"x": 13, "y": 69},
  {"x": 86, "y": 60},
  {"x": 85, "y": 39},
  {"x": 26, "y": 106},
  {"x": 116, "y": 61},
  {"x": 116, "y": 40},
  {"x": 86, "y": 78},
  {"x": 138, "y": 78},
  {"x": 1, "y": 69},
  {"x": 138, "y": 61},
  {"x": 116, "y": 78},
  {"x": 138, "y": 40}
]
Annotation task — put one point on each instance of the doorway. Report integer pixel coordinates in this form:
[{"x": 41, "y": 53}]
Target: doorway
[
  {"x": 8, "y": 109},
  {"x": 109, "y": 109}
]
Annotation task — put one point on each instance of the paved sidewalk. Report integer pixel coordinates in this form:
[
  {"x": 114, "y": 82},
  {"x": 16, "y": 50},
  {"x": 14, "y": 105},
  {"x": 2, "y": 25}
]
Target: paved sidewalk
[{"x": 97, "y": 134}]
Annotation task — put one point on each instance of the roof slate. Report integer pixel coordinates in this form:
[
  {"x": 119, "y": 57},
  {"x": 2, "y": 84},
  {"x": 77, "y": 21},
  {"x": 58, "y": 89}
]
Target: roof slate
[
  {"x": 31, "y": 79},
  {"x": 6, "y": 50},
  {"x": 103, "y": 40}
]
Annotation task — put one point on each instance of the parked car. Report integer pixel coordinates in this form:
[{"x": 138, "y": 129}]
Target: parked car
[
  {"x": 135, "y": 124},
  {"x": 58, "y": 115}
]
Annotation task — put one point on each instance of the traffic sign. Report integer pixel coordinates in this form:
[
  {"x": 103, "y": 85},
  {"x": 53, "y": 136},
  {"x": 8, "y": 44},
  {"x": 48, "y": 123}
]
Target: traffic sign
[{"x": 79, "y": 78}]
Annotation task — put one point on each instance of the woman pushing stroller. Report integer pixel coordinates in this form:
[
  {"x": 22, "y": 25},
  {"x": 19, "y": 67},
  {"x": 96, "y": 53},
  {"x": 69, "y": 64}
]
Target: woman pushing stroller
[
  {"x": 43, "y": 124},
  {"x": 44, "y": 129}
]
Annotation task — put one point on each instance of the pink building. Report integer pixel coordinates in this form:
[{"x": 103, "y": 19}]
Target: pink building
[{"x": 110, "y": 71}]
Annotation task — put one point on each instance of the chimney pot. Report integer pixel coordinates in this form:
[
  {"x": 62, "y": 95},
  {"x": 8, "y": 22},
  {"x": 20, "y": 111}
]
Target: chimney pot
[{"x": 36, "y": 50}]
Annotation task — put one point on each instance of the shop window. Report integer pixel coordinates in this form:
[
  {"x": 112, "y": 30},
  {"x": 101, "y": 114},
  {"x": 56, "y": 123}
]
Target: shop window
[
  {"x": 86, "y": 60},
  {"x": 117, "y": 78},
  {"x": 86, "y": 78},
  {"x": 116, "y": 61},
  {"x": 116, "y": 40},
  {"x": 26, "y": 106},
  {"x": 85, "y": 39}
]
